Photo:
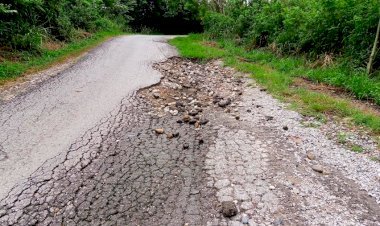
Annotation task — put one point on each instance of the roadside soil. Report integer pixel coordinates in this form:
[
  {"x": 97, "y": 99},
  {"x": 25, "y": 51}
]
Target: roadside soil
[{"x": 205, "y": 146}]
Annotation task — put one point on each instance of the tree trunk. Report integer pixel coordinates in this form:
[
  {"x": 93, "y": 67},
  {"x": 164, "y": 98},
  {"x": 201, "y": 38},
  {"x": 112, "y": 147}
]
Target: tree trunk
[{"x": 374, "y": 48}]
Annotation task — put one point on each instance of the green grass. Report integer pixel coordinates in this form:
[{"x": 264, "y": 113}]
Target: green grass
[
  {"x": 354, "y": 81},
  {"x": 277, "y": 75},
  {"x": 374, "y": 158},
  {"x": 192, "y": 47},
  {"x": 357, "y": 149},
  {"x": 342, "y": 138},
  {"x": 10, "y": 70}
]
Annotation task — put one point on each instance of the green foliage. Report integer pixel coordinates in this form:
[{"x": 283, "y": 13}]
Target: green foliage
[
  {"x": 339, "y": 27},
  {"x": 11, "y": 70},
  {"x": 168, "y": 16},
  {"x": 192, "y": 47},
  {"x": 219, "y": 26},
  {"x": 357, "y": 149},
  {"x": 25, "y": 24}
]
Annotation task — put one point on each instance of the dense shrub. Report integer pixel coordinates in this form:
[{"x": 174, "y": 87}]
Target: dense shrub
[
  {"x": 338, "y": 27},
  {"x": 26, "y": 23},
  {"x": 219, "y": 26},
  {"x": 168, "y": 16}
]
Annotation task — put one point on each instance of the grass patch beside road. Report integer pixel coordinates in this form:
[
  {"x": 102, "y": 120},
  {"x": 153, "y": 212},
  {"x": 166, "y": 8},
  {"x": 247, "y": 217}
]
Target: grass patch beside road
[
  {"x": 10, "y": 70},
  {"x": 278, "y": 76},
  {"x": 193, "y": 47}
]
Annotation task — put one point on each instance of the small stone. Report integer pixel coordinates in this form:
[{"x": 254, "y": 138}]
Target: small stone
[
  {"x": 285, "y": 128},
  {"x": 156, "y": 95},
  {"x": 159, "y": 131},
  {"x": 169, "y": 135},
  {"x": 272, "y": 187},
  {"x": 229, "y": 209},
  {"x": 186, "y": 118},
  {"x": 194, "y": 192},
  {"x": 192, "y": 121},
  {"x": 311, "y": 156},
  {"x": 244, "y": 219},
  {"x": 193, "y": 112},
  {"x": 197, "y": 124},
  {"x": 269, "y": 118},
  {"x": 173, "y": 112},
  {"x": 185, "y": 146},
  {"x": 224, "y": 103},
  {"x": 249, "y": 110},
  {"x": 179, "y": 104},
  {"x": 204, "y": 121},
  {"x": 326, "y": 171},
  {"x": 216, "y": 99},
  {"x": 237, "y": 117},
  {"x": 317, "y": 168}
]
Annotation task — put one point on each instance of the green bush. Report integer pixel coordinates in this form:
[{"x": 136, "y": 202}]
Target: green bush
[
  {"x": 343, "y": 28},
  {"x": 219, "y": 25},
  {"x": 31, "y": 39},
  {"x": 25, "y": 24}
]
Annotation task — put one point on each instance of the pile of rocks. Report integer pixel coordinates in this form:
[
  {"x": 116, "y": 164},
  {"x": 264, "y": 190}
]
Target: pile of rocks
[{"x": 189, "y": 88}]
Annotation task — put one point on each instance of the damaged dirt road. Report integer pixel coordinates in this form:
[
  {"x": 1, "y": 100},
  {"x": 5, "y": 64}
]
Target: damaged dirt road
[{"x": 205, "y": 146}]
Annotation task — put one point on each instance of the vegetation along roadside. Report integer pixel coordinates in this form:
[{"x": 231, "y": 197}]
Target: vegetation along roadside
[
  {"x": 12, "y": 69},
  {"x": 280, "y": 76}
]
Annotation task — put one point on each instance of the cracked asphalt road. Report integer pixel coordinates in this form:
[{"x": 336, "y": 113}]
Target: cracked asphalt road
[
  {"x": 175, "y": 153},
  {"x": 45, "y": 121}
]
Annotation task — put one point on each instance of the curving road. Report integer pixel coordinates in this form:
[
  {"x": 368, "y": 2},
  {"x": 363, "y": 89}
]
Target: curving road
[{"x": 45, "y": 121}]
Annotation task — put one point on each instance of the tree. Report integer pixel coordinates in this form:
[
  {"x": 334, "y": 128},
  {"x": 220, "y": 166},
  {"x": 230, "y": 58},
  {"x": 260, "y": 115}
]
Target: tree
[{"x": 374, "y": 48}]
